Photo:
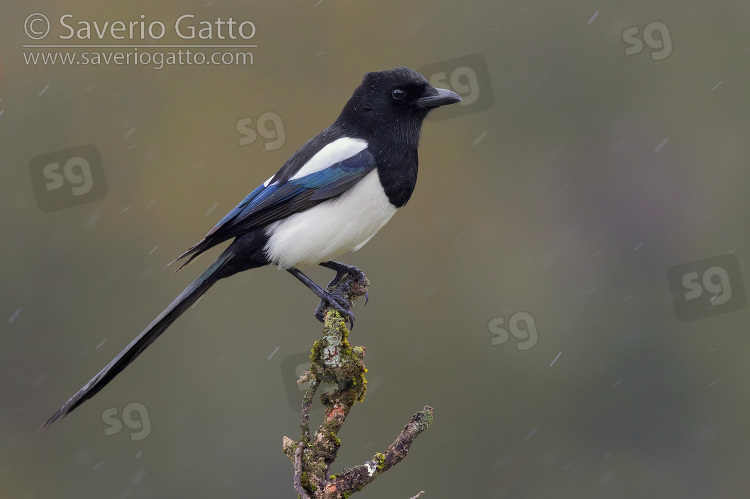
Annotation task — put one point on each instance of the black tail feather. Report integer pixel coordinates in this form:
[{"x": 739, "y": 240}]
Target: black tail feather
[
  {"x": 184, "y": 301},
  {"x": 193, "y": 252}
]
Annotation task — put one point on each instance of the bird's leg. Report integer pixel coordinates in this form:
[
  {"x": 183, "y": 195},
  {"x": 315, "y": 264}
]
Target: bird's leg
[
  {"x": 341, "y": 272},
  {"x": 341, "y": 304},
  {"x": 343, "y": 269}
]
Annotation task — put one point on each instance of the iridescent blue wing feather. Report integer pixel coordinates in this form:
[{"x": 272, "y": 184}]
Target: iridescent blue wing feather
[{"x": 268, "y": 204}]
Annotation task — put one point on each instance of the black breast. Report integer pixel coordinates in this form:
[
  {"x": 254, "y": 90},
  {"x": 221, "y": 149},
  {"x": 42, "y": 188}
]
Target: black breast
[{"x": 397, "y": 170}]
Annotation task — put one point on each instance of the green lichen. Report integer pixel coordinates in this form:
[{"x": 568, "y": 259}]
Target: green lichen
[
  {"x": 380, "y": 458},
  {"x": 315, "y": 351},
  {"x": 304, "y": 480},
  {"x": 335, "y": 439}
]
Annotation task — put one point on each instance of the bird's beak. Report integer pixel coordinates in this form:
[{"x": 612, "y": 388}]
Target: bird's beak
[{"x": 436, "y": 97}]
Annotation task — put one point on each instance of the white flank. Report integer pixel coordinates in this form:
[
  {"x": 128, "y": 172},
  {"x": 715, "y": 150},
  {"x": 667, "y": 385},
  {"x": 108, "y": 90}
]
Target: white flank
[
  {"x": 332, "y": 228},
  {"x": 336, "y": 151}
]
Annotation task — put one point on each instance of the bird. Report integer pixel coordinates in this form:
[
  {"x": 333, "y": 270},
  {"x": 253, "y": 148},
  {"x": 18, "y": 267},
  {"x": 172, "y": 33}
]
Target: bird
[{"x": 329, "y": 198}]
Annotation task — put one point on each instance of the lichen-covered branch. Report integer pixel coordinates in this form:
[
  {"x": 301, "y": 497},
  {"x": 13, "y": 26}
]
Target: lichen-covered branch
[
  {"x": 335, "y": 362},
  {"x": 359, "y": 476}
]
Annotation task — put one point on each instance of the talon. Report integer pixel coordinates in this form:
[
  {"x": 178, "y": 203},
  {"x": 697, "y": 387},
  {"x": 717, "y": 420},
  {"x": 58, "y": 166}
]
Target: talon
[
  {"x": 366, "y": 298},
  {"x": 320, "y": 312}
]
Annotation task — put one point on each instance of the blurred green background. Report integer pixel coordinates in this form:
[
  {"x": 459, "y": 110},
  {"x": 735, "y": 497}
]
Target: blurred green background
[{"x": 590, "y": 174}]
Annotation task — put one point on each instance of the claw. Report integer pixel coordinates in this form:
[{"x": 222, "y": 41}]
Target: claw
[{"x": 366, "y": 298}]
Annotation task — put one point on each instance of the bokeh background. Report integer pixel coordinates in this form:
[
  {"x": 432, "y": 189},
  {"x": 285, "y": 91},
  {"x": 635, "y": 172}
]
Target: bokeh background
[{"x": 579, "y": 177}]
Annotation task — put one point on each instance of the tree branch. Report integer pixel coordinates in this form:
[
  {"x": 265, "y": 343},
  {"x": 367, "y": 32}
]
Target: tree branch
[{"x": 334, "y": 361}]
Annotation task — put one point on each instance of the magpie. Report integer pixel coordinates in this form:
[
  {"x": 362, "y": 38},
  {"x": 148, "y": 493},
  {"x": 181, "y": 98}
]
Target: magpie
[{"x": 330, "y": 197}]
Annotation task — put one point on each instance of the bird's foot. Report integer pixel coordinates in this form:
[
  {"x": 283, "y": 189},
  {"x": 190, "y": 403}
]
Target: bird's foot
[
  {"x": 355, "y": 274},
  {"x": 356, "y": 286},
  {"x": 348, "y": 284},
  {"x": 337, "y": 302},
  {"x": 342, "y": 271}
]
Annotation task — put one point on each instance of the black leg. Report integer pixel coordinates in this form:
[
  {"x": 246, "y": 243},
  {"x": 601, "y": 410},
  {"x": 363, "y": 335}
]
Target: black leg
[
  {"x": 344, "y": 268},
  {"x": 339, "y": 303}
]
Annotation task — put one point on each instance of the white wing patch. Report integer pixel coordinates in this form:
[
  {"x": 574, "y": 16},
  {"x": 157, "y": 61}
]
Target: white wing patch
[{"x": 336, "y": 151}]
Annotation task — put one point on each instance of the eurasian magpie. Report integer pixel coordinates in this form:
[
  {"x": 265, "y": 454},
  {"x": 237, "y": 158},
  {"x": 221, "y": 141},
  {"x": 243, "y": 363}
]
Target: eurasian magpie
[{"x": 329, "y": 198}]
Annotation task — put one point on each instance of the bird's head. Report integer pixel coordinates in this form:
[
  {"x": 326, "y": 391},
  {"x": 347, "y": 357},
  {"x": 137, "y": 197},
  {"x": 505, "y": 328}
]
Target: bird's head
[{"x": 397, "y": 98}]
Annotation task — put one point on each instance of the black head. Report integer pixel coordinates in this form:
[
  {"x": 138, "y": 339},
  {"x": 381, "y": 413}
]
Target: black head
[{"x": 393, "y": 102}]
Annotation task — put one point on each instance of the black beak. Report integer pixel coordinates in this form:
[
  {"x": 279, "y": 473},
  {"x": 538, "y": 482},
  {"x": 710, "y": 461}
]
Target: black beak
[{"x": 436, "y": 97}]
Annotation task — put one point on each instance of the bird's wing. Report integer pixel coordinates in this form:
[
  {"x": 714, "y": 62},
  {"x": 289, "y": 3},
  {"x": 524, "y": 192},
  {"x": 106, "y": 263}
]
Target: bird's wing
[{"x": 278, "y": 200}]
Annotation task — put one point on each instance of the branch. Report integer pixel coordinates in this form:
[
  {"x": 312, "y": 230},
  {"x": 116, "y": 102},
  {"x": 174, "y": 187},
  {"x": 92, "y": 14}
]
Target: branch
[
  {"x": 334, "y": 361},
  {"x": 298, "y": 473},
  {"x": 356, "y": 478}
]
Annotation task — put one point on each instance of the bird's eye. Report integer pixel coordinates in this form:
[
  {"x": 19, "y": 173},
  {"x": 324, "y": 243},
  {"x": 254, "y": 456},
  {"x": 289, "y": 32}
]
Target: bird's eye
[{"x": 398, "y": 93}]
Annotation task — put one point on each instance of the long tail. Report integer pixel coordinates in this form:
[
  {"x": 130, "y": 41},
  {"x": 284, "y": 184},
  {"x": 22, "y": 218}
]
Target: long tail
[{"x": 186, "y": 299}]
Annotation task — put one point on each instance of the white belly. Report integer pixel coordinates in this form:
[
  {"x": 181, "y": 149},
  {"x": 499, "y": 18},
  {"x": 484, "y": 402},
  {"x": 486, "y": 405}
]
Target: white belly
[{"x": 332, "y": 228}]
